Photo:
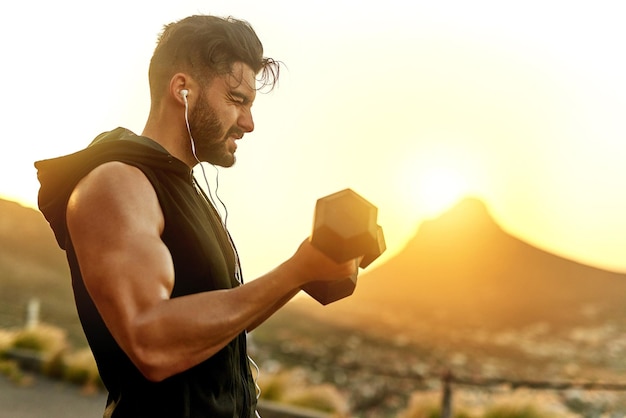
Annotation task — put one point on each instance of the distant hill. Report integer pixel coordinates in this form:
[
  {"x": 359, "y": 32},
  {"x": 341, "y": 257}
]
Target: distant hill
[
  {"x": 462, "y": 270},
  {"x": 33, "y": 266}
]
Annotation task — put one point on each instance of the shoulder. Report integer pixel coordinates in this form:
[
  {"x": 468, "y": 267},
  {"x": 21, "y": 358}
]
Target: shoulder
[
  {"x": 114, "y": 192},
  {"x": 113, "y": 180},
  {"x": 113, "y": 172}
]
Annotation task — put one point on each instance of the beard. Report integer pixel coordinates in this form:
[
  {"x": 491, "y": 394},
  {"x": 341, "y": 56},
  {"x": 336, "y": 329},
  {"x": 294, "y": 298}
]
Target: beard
[{"x": 210, "y": 136}]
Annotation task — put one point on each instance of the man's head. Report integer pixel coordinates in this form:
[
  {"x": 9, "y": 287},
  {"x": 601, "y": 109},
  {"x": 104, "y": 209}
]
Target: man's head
[
  {"x": 204, "y": 47},
  {"x": 219, "y": 63}
]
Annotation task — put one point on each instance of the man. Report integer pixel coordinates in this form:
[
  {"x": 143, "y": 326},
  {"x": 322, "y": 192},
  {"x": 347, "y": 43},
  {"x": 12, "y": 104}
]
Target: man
[{"x": 155, "y": 275}]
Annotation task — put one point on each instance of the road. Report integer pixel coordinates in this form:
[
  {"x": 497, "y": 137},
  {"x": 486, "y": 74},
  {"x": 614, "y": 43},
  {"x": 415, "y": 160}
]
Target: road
[{"x": 45, "y": 398}]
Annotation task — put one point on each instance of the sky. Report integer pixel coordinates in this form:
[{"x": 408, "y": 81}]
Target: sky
[{"x": 414, "y": 105}]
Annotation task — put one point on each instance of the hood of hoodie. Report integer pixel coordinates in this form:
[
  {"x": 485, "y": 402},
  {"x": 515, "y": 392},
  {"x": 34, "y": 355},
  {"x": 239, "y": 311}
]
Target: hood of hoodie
[{"x": 58, "y": 176}]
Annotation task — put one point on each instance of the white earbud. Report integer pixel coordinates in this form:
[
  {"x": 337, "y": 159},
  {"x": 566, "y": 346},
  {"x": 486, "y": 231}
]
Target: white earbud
[{"x": 184, "y": 93}]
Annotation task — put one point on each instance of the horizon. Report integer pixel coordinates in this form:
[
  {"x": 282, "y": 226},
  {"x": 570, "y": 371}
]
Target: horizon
[{"x": 455, "y": 206}]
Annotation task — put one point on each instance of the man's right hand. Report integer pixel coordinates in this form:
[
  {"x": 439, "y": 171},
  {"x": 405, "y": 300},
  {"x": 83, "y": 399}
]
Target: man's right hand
[{"x": 313, "y": 265}]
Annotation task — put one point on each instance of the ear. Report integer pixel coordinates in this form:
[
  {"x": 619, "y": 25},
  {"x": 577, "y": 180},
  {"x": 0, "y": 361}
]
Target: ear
[{"x": 178, "y": 83}]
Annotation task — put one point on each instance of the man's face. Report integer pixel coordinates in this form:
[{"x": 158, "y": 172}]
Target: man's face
[{"x": 222, "y": 115}]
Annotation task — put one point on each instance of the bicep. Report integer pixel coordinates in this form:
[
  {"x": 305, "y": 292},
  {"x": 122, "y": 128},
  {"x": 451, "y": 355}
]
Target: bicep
[{"x": 115, "y": 221}]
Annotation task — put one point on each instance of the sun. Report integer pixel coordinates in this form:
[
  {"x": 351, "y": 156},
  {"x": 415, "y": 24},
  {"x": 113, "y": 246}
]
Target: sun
[
  {"x": 437, "y": 189},
  {"x": 432, "y": 187}
]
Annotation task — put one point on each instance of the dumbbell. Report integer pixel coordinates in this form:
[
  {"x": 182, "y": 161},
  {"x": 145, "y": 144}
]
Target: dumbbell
[{"x": 344, "y": 228}]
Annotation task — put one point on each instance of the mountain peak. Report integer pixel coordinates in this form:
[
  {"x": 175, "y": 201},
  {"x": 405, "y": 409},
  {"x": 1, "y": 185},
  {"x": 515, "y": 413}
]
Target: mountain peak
[
  {"x": 470, "y": 205},
  {"x": 469, "y": 209},
  {"x": 470, "y": 215}
]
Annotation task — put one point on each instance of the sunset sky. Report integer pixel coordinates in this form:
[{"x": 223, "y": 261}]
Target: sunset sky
[{"x": 413, "y": 104}]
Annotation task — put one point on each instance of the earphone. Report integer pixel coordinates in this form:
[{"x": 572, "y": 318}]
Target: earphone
[{"x": 184, "y": 94}]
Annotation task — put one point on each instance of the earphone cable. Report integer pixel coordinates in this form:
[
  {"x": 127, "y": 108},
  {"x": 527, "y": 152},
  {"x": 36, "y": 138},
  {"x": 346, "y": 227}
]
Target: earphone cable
[
  {"x": 238, "y": 273},
  {"x": 193, "y": 151}
]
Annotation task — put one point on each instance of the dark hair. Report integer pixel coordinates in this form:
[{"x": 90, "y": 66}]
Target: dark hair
[{"x": 207, "y": 46}]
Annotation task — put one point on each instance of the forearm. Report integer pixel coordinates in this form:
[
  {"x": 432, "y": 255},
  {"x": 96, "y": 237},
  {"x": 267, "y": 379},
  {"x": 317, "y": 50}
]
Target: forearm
[
  {"x": 176, "y": 334},
  {"x": 272, "y": 309}
]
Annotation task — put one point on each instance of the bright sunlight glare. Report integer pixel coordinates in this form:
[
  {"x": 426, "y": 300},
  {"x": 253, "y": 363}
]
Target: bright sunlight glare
[
  {"x": 437, "y": 189},
  {"x": 432, "y": 187},
  {"x": 435, "y": 178}
]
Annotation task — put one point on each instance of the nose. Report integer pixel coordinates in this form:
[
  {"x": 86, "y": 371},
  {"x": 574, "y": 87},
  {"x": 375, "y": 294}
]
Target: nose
[{"x": 246, "y": 122}]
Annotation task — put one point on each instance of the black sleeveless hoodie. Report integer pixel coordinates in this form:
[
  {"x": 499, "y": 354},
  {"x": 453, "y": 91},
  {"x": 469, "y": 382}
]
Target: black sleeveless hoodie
[{"x": 204, "y": 260}]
